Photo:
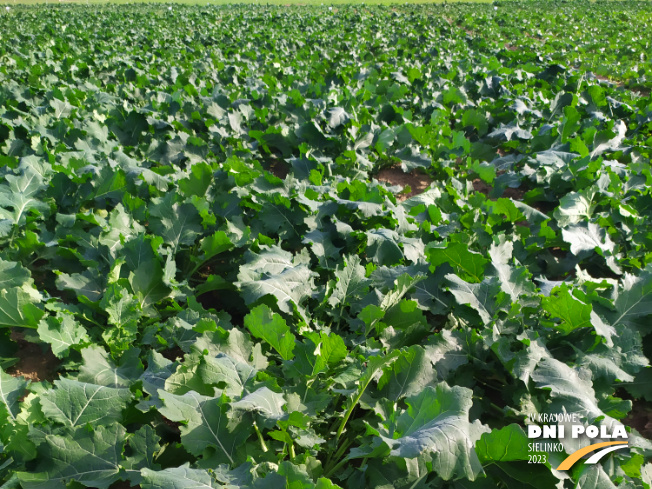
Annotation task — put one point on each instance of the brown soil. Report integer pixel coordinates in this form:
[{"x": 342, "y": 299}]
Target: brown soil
[
  {"x": 640, "y": 418},
  {"x": 481, "y": 186},
  {"x": 508, "y": 193},
  {"x": 418, "y": 182},
  {"x": 642, "y": 91},
  {"x": 638, "y": 89},
  {"x": 279, "y": 169},
  {"x": 514, "y": 193},
  {"x": 33, "y": 363},
  {"x": 174, "y": 426},
  {"x": 543, "y": 206},
  {"x": 613, "y": 81},
  {"x": 173, "y": 353}
]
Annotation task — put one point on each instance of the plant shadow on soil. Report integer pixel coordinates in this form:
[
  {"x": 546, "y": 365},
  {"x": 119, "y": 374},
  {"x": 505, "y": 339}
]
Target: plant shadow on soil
[
  {"x": 417, "y": 182},
  {"x": 36, "y": 362},
  {"x": 278, "y": 168},
  {"x": 640, "y": 418}
]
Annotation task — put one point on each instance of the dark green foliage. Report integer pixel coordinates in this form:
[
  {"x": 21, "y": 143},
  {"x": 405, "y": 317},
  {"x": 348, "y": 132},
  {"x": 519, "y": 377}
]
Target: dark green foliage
[{"x": 190, "y": 219}]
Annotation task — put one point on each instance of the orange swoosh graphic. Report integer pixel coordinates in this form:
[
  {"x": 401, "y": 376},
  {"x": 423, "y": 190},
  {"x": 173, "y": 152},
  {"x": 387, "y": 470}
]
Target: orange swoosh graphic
[{"x": 575, "y": 456}]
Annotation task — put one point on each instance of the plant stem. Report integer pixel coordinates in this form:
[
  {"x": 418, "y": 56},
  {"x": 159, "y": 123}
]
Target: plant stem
[
  {"x": 368, "y": 376},
  {"x": 263, "y": 445},
  {"x": 418, "y": 480},
  {"x": 347, "y": 415},
  {"x": 336, "y": 468},
  {"x": 338, "y": 453}
]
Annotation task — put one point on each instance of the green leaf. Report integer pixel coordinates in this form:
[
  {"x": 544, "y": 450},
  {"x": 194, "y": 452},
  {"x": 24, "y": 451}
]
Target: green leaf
[
  {"x": 351, "y": 282},
  {"x": 509, "y": 133},
  {"x": 179, "y": 478},
  {"x": 446, "y": 351},
  {"x": 11, "y": 390},
  {"x": 12, "y": 274},
  {"x": 271, "y": 327},
  {"x": 144, "y": 445},
  {"x": 597, "y": 95},
  {"x": 321, "y": 244},
  {"x": 570, "y": 123},
  {"x": 481, "y": 297},
  {"x": 594, "y": 477},
  {"x": 110, "y": 184},
  {"x": 573, "y": 313},
  {"x": 62, "y": 332},
  {"x": 337, "y": 116},
  {"x": 274, "y": 272},
  {"x": 235, "y": 343},
  {"x": 370, "y": 315},
  {"x": 158, "y": 370},
  {"x": 75, "y": 403},
  {"x": 468, "y": 264},
  {"x": 575, "y": 207},
  {"x": 403, "y": 284},
  {"x": 198, "y": 181},
  {"x": 207, "y": 423},
  {"x": 504, "y": 445},
  {"x": 147, "y": 283},
  {"x": 90, "y": 457},
  {"x": 405, "y": 316},
  {"x": 18, "y": 310},
  {"x": 87, "y": 284},
  {"x": 486, "y": 171},
  {"x": 232, "y": 375},
  {"x": 477, "y": 119},
  {"x": 62, "y": 109},
  {"x": 587, "y": 238},
  {"x": 607, "y": 140},
  {"x": 203, "y": 374},
  {"x": 407, "y": 375},
  {"x": 382, "y": 246},
  {"x": 124, "y": 312},
  {"x": 435, "y": 428},
  {"x": 318, "y": 352},
  {"x": 121, "y": 227},
  {"x": 20, "y": 194},
  {"x": 514, "y": 281},
  {"x": 215, "y": 244},
  {"x": 569, "y": 387},
  {"x": 177, "y": 224},
  {"x": 507, "y": 208},
  {"x": 632, "y": 299},
  {"x": 100, "y": 369},
  {"x": 616, "y": 360},
  {"x": 641, "y": 387},
  {"x": 264, "y": 402},
  {"x": 374, "y": 365}
]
